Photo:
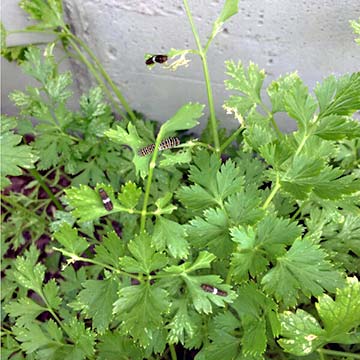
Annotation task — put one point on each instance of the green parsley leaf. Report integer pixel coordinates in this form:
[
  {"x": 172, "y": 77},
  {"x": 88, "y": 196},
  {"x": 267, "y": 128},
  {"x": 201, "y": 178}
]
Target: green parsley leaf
[
  {"x": 257, "y": 246},
  {"x": 229, "y": 9},
  {"x": 339, "y": 96},
  {"x": 225, "y": 344},
  {"x": 33, "y": 338},
  {"x": 302, "y": 333},
  {"x": 341, "y": 316},
  {"x": 25, "y": 310},
  {"x": 211, "y": 233},
  {"x": 163, "y": 206},
  {"x": 203, "y": 261},
  {"x": 27, "y": 272},
  {"x": 145, "y": 258},
  {"x": 13, "y": 156},
  {"x": 171, "y": 235},
  {"x": 3, "y": 35},
  {"x": 300, "y": 105},
  {"x": 299, "y": 179},
  {"x": 110, "y": 249},
  {"x": 247, "y": 81},
  {"x": 332, "y": 184},
  {"x": 48, "y": 13},
  {"x": 183, "y": 324},
  {"x": 201, "y": 299},
  {"x": 140, "y": 309},
  {"x": 51, "y": 293},
  {"x": 184, "y": 119},
  {"x": 356, "y": 28},
  {"x": 243, "y": 207},
  {"x": 213, "y": 188},
  {"x": 69, "y": 239},
  {"x": 303, "y": 268},
  {"x": 337, "y": 127},
  {"x": 248, "y": 258},
  {"x": 278, "y": 88},
  {"x": 180, "y": 157},
  {"x": 82, "y": 338},
  {"x": 96, "y": 301},
  {"x": 87, "y": 202},
  {"x": 115, "y": 346},
  {"x": 50, "y": 145},
  {"x": 129, "y": 195},
  {"x": 131, "y": 138}
]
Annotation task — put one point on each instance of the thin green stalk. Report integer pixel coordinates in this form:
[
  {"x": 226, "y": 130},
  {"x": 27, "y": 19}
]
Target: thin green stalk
[
  {"x": 51, "y": 311},
  {"x": 172, "y": 352},
  {"x": 273, "y": 122},
  {"x": 298, "y": 211},
  {"x": 229, "y": 275},
  {"x": 105, "y": 266},
  {"x": 274, "y": 190},
  {"x": 96, "y": 76},
  {"x": 231, "y": 138},
  {"x": 31, "y": 214},
  {"x": 148, "y": 183},
  {"x": 203, "y": 58},
  {"x": 338, "y": 353},
  {"x": 42, "y": 183},
  {"x": 8, "y": 32},
  {"x": 211, "y": 105},
  {"x": 106, "y": 76}
]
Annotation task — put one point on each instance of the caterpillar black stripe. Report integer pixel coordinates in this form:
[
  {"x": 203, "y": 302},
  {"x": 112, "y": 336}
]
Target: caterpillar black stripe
[
  {"x": 164, "y": 145},
  {"x": 108, "y": 205},
  {"x": 156, "y": 59},
  {"x": 146, "y": 150},
  {"x": 213, "y": 290}
]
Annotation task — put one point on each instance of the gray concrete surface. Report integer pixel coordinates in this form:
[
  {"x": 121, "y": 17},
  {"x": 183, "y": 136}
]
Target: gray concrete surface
[{"x": 311, "y": 36}]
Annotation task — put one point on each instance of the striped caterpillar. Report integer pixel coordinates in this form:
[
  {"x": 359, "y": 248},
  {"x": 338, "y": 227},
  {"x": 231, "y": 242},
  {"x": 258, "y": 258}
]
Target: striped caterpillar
[
  {"x": 213, "y": 290},
  {"x": 164, "y": 145}
]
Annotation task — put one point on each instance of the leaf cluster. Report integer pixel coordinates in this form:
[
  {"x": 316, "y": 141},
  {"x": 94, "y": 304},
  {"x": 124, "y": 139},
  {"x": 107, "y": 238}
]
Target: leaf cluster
[{"x": 244, "y": 256}]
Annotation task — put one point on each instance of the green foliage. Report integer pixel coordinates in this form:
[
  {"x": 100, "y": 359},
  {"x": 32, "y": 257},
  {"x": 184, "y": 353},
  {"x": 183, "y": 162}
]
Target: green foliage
[
  {"x": 13, "y": 155},
  {"x": 340, "y": 317},
  {"x": 196, "y": 253},
  {"x": 356, "y": 28}
]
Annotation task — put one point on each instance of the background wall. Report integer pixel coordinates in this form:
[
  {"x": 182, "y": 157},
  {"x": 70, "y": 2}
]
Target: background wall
[{"x": 311, "y": 36}]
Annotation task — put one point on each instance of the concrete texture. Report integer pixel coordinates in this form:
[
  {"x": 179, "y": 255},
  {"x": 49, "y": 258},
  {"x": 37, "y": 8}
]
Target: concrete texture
[{"x": 311, "y": 36}]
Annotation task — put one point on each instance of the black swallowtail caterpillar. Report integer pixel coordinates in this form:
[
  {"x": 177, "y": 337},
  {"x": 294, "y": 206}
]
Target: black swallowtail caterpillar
[
  {"x": 156, "y": 59},
  {"x": 165, "y": 144},
  {"x": 213, "y": 290},
  {"x": 108, "y": 205}
]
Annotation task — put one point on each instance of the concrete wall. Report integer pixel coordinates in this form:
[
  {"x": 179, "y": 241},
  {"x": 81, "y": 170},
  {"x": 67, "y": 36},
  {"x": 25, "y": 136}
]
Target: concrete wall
[{"x": 311, "y": 36}]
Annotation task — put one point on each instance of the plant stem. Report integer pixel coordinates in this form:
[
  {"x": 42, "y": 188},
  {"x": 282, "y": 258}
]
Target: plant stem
[
  {"x": 338, "y": 353},
  {"x": 95, "y": 74},
  {"x": 105, "y": 266},
  {"x": 32, "y": 214},
  {"x": 231, "y": 138},
  {"x": 42, "y": 183},
  {"x": 172, "y": 352},
  {"x": 203, "y": 58},
  {"x": 272, "y": 194},
  {"x": 229, "y": 275},
  {"x": 106, "y": 76},
  {"x": 273, "y": 122},
  {"x": 148, "y": 182}
]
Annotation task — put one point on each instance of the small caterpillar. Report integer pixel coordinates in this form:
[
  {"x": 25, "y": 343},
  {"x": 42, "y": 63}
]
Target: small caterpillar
[
  {"x": 108, "y": 205},
  {"x": 165, "y": 144},
  {"x": 156, "y": 59},
  {"x": 213, "y": 290}
]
